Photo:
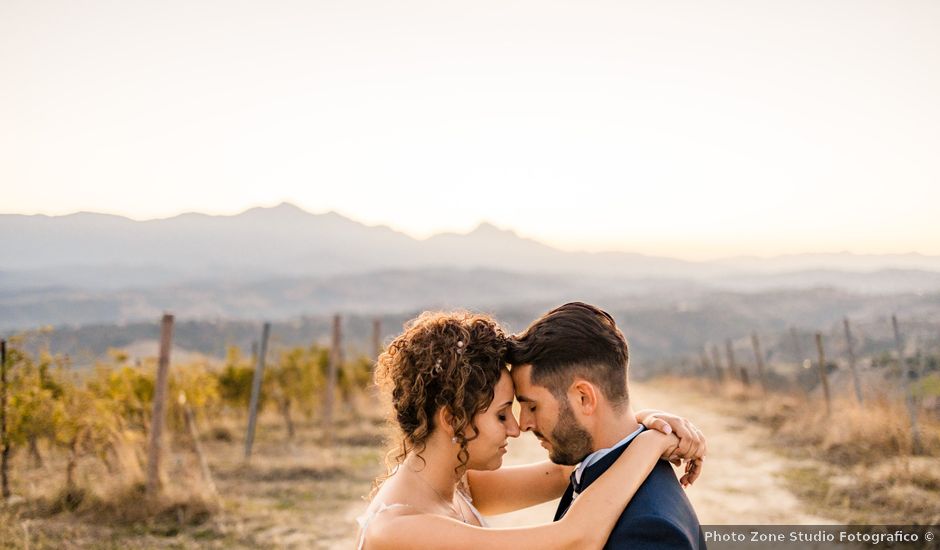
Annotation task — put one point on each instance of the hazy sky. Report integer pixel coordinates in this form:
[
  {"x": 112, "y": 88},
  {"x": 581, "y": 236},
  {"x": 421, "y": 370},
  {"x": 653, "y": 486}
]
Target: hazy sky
[{"x": 693, "y": 129}]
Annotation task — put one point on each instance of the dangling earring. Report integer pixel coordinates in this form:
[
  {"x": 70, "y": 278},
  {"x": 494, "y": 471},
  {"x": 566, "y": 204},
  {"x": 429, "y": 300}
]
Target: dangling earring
[{"x": 454, "y": 439}]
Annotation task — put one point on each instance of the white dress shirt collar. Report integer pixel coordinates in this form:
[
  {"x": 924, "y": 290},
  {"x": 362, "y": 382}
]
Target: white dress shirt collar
[{"x": 601, "y": 453}]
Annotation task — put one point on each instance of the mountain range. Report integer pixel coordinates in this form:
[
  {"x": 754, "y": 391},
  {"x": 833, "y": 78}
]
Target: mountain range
[
  {"x": 282, "y": 262},
  {"x": 93, "y": 250}
]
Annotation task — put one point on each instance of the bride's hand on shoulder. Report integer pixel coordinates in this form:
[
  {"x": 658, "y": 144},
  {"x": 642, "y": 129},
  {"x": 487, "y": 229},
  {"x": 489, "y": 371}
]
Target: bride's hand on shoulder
[
  {"x": 665, "y": 443},
  {"x": 692, "y": 446}
]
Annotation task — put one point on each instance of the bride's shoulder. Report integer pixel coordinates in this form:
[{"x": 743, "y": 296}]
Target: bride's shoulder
[
  {"x": 392, "y": 500},
  {"x": 379, "y": 524},
  {"x": 395, "y": 489},
  {"x": 382, "y": 522}
]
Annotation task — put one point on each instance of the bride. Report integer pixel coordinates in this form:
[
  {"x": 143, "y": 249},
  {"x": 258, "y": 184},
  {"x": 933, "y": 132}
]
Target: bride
[{"x": 452, "y": 398}]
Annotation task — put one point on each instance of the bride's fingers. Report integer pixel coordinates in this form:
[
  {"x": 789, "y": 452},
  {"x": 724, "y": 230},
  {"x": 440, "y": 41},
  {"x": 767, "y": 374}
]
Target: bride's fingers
[
  {"x": 698, "y": 446},
  {"x": 704, "y": 443},
  {"x": 658, "y": 424},
  {"x": 697, "y": 449},
  {"x": 694, "y": 449},
  {"x": 685, "y": 444},
  {"x": 696, "y": 443}
]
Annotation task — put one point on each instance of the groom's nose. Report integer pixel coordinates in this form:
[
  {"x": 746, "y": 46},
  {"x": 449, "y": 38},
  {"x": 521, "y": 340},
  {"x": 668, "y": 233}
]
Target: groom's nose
[{"x": 526, "y": 421}]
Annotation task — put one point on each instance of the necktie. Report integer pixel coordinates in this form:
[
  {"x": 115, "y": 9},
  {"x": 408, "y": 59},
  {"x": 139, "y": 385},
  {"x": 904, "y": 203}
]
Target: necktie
[{"x": 575, "y": 485}]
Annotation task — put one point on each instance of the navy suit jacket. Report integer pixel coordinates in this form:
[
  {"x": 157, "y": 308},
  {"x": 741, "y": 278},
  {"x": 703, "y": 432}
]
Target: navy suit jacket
[{"x": 659, "y": 515}]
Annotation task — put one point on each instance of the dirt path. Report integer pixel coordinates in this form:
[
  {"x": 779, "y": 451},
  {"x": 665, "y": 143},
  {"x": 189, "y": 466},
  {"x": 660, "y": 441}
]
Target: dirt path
[{"x": 740, "y": 483}]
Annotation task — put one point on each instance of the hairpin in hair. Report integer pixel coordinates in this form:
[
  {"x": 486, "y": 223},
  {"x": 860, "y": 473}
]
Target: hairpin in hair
[
  {"x": 459, "y": 346},
  {"x": 438, "y": 368}
]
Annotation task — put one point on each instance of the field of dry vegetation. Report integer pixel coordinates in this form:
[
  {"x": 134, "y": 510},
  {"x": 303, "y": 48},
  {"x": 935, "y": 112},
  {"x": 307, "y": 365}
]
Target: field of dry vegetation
[
  {"x": 861, "y": 465},
  {"x": 77, "y": 467},
  {"x": 295, "y": 494}
]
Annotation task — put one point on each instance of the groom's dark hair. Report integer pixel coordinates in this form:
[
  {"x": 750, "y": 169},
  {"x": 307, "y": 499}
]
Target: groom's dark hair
[{"x": 575, "y": 339}]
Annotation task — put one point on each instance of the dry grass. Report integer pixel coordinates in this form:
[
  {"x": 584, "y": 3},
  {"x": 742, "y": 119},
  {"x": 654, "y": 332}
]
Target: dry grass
[
  {"x": 858, "y": 463},
  {"x": 169, "y": 511},
  {"x": 291, "y": 494},
  {"x": 900, "y": 490}
]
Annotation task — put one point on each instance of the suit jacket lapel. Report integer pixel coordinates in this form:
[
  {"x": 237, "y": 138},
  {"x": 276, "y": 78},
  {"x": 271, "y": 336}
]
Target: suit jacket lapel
[
  {"x": 595, "y": 470},
  {"x": 588, "y": 477},
  {"x": 564, "y": 503}
]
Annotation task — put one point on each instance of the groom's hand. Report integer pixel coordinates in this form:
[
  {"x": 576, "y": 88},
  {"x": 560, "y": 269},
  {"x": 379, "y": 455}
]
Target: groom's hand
[
  {"x": 692, "y": 446},
  {"x": 693, "y": 469}
]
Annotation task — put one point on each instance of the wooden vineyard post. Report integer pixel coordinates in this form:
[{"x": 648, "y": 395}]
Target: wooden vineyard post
[
  {"x": 732, "y": 364},
  {"x": 197, "y": 445},
  {"x": 256, "y": 391},
  {"x": 376, "y": 338},
  {"x": 716, "y": 370},
  {"x": 921, "y": 369},
  {"x": 908, "y": 389},
  {"x": 4, "y": 439},
  {"x": 851, "y": 353},
  {"x": 759, "y": 359},
  {"x": 716, "y": 360},
  {"x": 922, "y": 361},
  {"x": 155, "y": 448},
  {"x": 703, "y": 361},
  {"x": 823, "y": 376},
  {"x": 712, "y": 369},
  {"x": 797, "y": 348},
  {"x": 336, "y": 358},
  {"x": 801, "y": 361},
  {"x": 729, "y": 357}
]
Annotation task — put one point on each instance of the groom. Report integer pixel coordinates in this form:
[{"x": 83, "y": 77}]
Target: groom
[{"x": 570, "y": 373}]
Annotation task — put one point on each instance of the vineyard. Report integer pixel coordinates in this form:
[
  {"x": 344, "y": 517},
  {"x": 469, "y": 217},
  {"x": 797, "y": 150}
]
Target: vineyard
[
  {"x": 275, "y": 444},
  {"x": 79, "y": 454},
  {"x": 859, "y": 413}
]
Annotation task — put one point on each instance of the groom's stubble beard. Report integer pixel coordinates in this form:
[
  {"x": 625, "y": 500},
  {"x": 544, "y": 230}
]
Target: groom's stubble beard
[{"x": 570, "y": 441}]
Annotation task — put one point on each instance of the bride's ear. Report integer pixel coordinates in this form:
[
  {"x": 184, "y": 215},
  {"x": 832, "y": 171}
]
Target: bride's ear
[{"x": 445, "y": 421}]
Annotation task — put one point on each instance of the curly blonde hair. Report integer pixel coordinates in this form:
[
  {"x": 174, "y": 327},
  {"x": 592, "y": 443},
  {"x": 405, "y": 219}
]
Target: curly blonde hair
[{"x": 442, "y": 359}]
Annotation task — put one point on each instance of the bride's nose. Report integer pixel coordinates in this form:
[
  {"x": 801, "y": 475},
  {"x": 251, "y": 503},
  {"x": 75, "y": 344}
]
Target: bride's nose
[{"x": 513, "y": 429}]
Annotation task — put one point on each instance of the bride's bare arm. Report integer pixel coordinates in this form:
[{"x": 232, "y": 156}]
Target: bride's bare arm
[
  {"x": 515, "y": 487},
  {"x": 587, "y": 523}
]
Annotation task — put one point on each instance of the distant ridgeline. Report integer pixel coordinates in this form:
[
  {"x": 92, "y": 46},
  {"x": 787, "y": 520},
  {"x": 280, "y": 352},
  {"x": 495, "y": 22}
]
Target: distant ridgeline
[
  {"x": 103, "y": 281},
  {"x": 657, "y": 332}
]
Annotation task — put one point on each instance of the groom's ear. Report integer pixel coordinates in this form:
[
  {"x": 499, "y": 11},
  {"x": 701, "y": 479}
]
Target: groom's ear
[{"x": 583, "y": 396}]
